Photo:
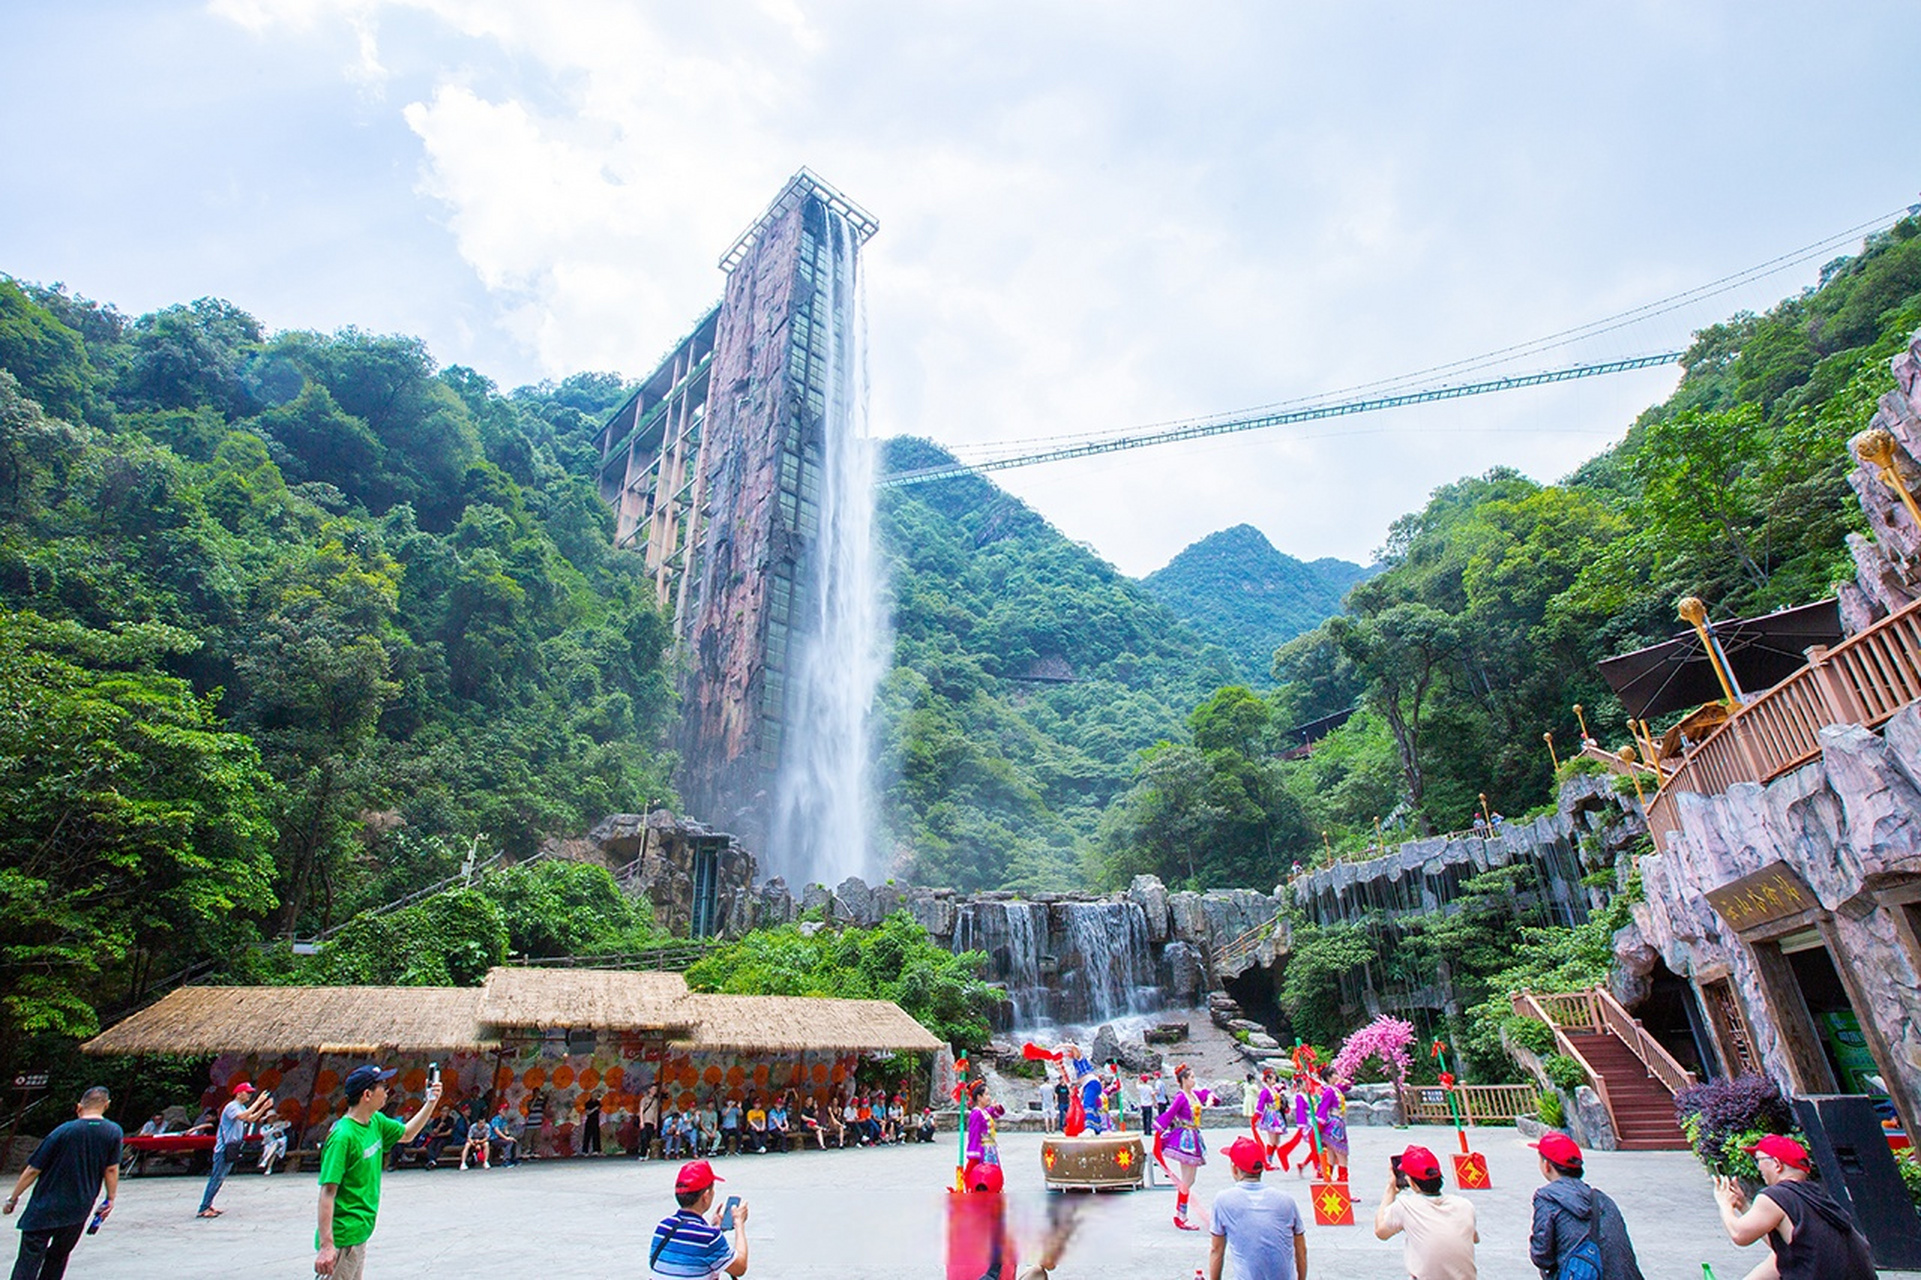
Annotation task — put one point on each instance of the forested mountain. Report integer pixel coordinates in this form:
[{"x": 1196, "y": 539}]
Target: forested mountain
[
  {"x": 1237, "y": 591},
  {"x": 1499, "y": 596},
  {"x": 1027, "y": 675},
  {"x": 284, "y": 621}
]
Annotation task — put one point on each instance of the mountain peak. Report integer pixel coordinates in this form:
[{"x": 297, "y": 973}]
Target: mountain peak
[{"x": 1238, "y": 591}]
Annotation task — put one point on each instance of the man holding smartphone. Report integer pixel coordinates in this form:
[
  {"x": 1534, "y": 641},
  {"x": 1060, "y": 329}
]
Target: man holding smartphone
[
  {"x": 691, "y": 1244},
  {"x": 1440, "y": 1228}
]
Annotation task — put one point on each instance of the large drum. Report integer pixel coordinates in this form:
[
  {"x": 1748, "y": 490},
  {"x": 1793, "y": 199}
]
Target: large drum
[{"x": 1094, "y": 1162}]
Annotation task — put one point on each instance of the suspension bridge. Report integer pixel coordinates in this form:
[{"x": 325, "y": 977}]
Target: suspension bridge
[{"x": 1452, "y": 381}]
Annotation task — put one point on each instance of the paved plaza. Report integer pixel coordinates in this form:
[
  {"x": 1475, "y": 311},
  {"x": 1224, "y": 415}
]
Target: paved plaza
[{"x": 840, "y": 1214}]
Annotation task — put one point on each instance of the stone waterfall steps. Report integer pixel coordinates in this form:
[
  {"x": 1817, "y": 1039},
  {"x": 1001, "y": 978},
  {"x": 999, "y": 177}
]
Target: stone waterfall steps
[{"x": 1643, "y": 1108}]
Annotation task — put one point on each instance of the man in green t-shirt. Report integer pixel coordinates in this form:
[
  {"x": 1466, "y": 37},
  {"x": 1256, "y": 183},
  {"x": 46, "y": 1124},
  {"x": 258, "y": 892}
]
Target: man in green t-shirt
[{"x": 350, "y": 1167}]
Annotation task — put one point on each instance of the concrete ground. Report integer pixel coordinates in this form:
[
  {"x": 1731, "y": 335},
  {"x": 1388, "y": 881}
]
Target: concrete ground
[{"x": 841, "y": 1214}]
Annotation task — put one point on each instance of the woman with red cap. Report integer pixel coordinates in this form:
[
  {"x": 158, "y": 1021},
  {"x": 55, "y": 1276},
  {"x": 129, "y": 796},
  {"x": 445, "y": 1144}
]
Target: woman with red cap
[{"x": 1809, "y": 1236}]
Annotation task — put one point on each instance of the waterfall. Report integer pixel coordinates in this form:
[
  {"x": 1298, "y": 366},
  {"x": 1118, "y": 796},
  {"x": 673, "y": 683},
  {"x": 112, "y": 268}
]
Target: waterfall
[
  {"x": 1063, "y": 962},
  {"x": 822, "y": 809},
  {"x": 1010, "y": 933}
]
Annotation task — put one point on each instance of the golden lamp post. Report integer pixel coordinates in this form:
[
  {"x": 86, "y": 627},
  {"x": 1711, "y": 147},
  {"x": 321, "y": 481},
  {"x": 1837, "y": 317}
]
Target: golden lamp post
[
  {"x": 1634, "y": 774},
  {"x": 1549, "y": 739},
  {"x": 1695, "y": 614},
  {"x": 1876, "y": 447},
  {"x": 1580, "y": 719}
]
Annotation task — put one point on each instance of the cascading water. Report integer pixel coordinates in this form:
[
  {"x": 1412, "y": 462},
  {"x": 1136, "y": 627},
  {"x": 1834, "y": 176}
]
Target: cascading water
[
  {"x": 1010, "y": 933},
  {"x": 822, "y": 811},
  {"x": 1063, "y": 962}
]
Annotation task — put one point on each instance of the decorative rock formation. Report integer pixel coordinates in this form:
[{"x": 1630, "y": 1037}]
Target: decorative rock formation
[
  {"x": 1848, "y": 827},
  {"x": 653, "y": 855}
]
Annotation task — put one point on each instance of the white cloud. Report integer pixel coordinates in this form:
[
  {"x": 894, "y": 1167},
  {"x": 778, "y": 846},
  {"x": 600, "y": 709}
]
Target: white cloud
[{"x": 1099, "y": 218}]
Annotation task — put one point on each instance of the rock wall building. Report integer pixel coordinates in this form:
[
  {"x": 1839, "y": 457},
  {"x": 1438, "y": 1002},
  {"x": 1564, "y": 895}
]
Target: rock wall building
[
  {"x": 714, "y": 470},
  {"x": 1789, "y": 899}
]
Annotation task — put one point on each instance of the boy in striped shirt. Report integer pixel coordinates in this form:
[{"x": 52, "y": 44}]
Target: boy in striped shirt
[{"x": 688, "y": 1245}]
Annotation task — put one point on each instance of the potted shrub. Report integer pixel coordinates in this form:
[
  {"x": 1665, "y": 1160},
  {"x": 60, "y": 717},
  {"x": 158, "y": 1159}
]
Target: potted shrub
[{"x": 1722, "y": 1118}]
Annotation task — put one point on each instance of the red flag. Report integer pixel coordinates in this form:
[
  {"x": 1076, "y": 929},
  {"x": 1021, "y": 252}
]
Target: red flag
[{"x": 1034, "y": 1053}]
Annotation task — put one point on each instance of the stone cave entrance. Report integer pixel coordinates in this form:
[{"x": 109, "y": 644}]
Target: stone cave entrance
[{"x": 1255, "y": 990}]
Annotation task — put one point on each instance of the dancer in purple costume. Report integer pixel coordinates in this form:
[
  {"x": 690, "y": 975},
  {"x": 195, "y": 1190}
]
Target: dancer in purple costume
[
  {"x": 982, "y": 1172},
  {"x": 1177, "y": 1139},
  {"x": 1330, "y": 1114},
  {"x": 1270, "y": 1118}
]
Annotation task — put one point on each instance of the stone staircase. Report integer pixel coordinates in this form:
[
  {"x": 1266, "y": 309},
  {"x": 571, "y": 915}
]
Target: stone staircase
[{"x": 1641, "y": 1106}]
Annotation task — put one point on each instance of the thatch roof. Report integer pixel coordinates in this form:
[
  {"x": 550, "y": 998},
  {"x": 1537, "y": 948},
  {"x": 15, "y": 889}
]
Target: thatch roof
[
  {"x": 795, "y": 1024},
  {"x": 370, "y": 1020},
  {"x": 598, "y": 998},
  {"x": 271, "y": 1020}
]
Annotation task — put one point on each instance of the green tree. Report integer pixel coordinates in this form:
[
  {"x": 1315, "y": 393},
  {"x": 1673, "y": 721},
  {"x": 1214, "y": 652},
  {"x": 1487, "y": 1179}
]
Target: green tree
[{"x": 133, "y": 821}]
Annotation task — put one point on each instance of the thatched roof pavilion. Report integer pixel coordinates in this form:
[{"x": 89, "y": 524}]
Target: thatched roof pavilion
[
  {"x": 801, "y": 1024},
  {"x": 292, "y": 1020},
  {"x": 603, "y": 999},
  {"x": 513, "y": 1003}
]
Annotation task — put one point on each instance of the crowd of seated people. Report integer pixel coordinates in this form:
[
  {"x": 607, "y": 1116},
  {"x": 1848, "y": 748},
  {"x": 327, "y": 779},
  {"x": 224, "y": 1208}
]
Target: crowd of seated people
[{"x": 757, "y": 1125}]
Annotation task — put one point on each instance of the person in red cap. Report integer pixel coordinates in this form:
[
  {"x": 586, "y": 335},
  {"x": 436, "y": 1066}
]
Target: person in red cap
[
  {"x": 1578, "y": 1233},
  {"x": 1440, "y": 1228},
  {"x": 1258, "y": 1226},
  {"x": 691, "y": 1245},
  {"x": 1810, "y": 1236},
  {"x": 241, "y": 1113}
]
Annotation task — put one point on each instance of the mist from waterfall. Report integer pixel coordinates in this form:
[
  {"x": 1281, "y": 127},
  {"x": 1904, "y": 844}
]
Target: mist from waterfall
[{"x": 823, "y": 810}]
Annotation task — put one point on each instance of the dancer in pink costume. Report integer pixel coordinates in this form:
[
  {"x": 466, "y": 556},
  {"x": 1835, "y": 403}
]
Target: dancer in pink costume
[{"x": 1177, "y": 1140}]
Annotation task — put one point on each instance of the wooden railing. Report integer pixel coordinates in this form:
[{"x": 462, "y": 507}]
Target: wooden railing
[
  {"x": 1237, "y": 950},
  {"x": 1628, "y": 1030},
  {"x": 1597, "y": 1010},
  {"x": 1545, "y": 1008},
  {"x": 1863, "y": 680},
  {"x": 1480, "y": 1103}
]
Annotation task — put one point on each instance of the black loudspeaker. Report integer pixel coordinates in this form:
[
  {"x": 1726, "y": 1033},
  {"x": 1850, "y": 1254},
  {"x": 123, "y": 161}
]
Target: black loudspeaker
[{"x": 1850, "y": 1148}]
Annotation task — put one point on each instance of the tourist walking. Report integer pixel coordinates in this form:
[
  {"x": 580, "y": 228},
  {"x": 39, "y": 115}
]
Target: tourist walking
[
  {"x": 66, "y": 1171},
  {"x": 689, "y": 1244},
  {"x": 242, "y": 1111},
  {"x": 1177, "y": 1138},
  {"x": 1439, "y": 1228},
  {"x": 1809, "y": 1236},
  {"x": 982, "y": 1170},
  {"x": 350, "y": 1167},
  {"x": 649, "y": 1120},
  {"x": 590, "y": 1126},
  {"x": 1258, "y": 1227},
  {"x": 1574, "y": 1220},
  {"x": 1144, "y": 1099}
]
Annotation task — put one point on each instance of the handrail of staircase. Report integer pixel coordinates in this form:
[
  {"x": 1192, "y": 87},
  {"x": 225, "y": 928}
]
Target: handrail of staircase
[
  {"x": 1526, "y": 1006},
  {"x": 1247, "y": 943},
  {"x": 1628, "y": 1029}
]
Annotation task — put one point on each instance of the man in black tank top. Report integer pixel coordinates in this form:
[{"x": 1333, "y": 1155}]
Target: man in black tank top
[{"x": 1812, "y": 1237}]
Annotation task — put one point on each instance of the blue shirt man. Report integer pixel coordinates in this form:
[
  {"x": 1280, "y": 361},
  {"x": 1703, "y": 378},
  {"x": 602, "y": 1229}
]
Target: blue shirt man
[
  {"x": 1257, "y": 1227},
  {"x": 689, "y": 1244}
]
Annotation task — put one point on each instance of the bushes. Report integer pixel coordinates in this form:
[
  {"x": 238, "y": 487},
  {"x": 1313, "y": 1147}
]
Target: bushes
[
  {"x": 1563, "y": 1072},
  {"x": 1721, "y": 1117},
  {"x": 1551, "y": 1112},
  {"x": 1534, "y": 1036}
]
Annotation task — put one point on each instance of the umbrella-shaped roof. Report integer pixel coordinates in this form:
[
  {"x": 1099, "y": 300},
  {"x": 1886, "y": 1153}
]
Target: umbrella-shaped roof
[{"x": 1677, "y": 674}]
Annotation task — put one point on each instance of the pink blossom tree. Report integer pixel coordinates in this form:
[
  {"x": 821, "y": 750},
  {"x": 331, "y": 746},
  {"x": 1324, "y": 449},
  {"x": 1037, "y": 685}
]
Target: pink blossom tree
[{"x": 1384, "y": 1038}]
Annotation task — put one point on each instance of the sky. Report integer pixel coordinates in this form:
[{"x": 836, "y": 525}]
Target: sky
[{"x": 1093, "y": 216}]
